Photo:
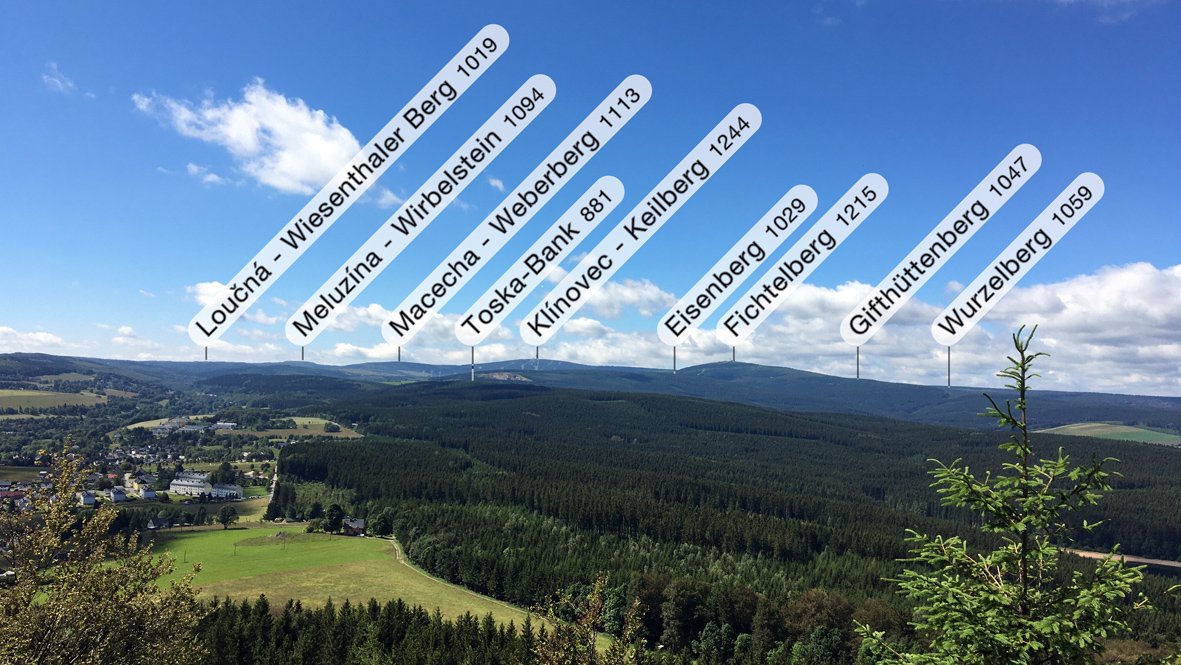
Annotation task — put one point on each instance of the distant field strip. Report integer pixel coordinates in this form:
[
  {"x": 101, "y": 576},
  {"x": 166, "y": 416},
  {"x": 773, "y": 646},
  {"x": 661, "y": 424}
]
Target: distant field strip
[
  {"x": 12, "y": 399},
  {"x": 315, "y": 426},
  {"x": 1132, "y": 560},
  {"x": 19, "y": 472},
  {"x": 1120, "y": 432},
  {"x": 316, "y": 567},
  {"x": 68, "y": 376}
]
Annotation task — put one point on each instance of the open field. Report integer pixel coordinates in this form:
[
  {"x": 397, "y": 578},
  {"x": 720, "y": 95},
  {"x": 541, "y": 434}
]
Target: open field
[
  {"x": 19, "y": 472},
  {"x": 315, "y": 426},
  {"x": 207, "y": 467},
  {"x": 1155, "y": 566},
  {"x": 249, "y": 509},
  {"x": 315, "y": 567},
  {"x": 20, "y": 416},
  {"x": 157, "y": 421},
  {"x": 111, "y": 392},
  {"x": 255, "y": 491},
  {"x": 149, "y": 423},
  {"x": 12, "y": 399},
  {"x": 1120, "y": 432},
  {"x": 68, "y": 376}
]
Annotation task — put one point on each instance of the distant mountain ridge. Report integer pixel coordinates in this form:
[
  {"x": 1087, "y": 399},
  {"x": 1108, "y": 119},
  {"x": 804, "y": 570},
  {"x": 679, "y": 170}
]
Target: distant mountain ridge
[{"x": 779, "y": 388}]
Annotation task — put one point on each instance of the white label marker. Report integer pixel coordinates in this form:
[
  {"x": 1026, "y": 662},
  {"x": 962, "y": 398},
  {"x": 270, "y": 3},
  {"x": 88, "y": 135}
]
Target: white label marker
[
  {"x": 558, "y": 242},
  {"x": 420, "y": 209},
  {"x": 347, "y": 186},
  {"x": 1022, "y": 254},
  {"x": 774, "y": 288},
  {"x": 638, "y": 226},
  {"x": 787, "y": 215},
  {"x": 557, "y": 169},
  {"x": 940, "y": 244}
]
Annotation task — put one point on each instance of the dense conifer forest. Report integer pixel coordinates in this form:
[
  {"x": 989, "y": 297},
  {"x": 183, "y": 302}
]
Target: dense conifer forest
[{"x": 696, "y": 507}]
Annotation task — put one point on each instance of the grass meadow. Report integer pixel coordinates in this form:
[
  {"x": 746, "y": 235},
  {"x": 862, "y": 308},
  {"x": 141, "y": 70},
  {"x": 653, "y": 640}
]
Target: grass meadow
[
  {"x": 41, "y": 399},
  {"x": 245, "y": 562},
  {"x": 1119, "y": 432}
]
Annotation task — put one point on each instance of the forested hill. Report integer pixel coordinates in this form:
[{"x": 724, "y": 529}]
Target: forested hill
[
  {"x": 789, "y": 389},
  {"x": 517, "y": 489},
  {"x": 779, "y": 388}
]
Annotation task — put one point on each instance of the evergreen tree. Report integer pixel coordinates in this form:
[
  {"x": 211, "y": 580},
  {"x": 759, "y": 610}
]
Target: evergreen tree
[{"x": 1010, "y": 605}]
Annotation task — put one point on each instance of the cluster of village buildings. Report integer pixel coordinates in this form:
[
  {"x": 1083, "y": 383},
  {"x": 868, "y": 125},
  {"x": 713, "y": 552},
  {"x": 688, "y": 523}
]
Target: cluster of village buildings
[
  {"x": 17, "y": 491},
  {"x": 186, "y": 425},
  {"x": 141, "y": 484}
]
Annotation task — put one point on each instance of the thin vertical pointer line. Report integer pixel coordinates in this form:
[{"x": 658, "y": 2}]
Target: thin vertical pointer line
[
  {"x": 473, "y": 363},
  {"x": 948, "y": 366},
  {"x": 674, "y": 360},
  {"x": 859, "y": 362}
]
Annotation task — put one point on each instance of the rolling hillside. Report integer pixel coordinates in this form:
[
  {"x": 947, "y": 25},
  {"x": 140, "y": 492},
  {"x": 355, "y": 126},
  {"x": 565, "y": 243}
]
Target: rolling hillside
[{"x": 293, "y": 384}]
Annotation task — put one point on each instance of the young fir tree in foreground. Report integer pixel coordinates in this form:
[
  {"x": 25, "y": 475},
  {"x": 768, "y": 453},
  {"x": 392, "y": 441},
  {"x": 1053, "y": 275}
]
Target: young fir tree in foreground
[
  {"x": 84, "y": 598},
  {"x": 1011, "y": 605}
]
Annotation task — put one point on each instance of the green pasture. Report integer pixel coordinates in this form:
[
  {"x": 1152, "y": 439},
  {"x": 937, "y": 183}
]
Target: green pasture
[
  {"x": 1119, "y": 432},
  {"x": 243, "y": 563},
  {"x": 41, "y": 399}
]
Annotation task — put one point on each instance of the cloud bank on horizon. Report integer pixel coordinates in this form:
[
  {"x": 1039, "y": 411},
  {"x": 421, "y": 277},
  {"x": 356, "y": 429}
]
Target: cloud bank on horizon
[{"x": 1124, "y": 340}]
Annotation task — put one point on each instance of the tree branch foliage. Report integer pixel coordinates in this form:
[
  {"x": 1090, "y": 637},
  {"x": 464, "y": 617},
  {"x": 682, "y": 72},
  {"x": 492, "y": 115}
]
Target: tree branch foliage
[{"x": 83, "y": 598}]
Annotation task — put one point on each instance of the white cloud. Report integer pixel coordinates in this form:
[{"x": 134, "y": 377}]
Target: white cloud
[
  {"x": 203, "y": 174},
  {"x": 145, "y": 293},
  {"x": 177, "y": 328},
  {"x": 260, "y": 316},
  {"x": 207, "y": 292},
  {"x": 556, "y": 275},
  {"x": 129, "y": 338},
  {"x": 12, "y": 341},
  {"x": 463, "y": 205},
  {"x": 1116, "y": 330},
  {"x": 384, "y": 198},
  {"x": 586, "y": 327},
  {"x": 435, "y": 343},
  {"x": 55, "y": 80},
  {"x": 643, "y": 295},
  {"x": 372, "y": 315},
  {"x": 953, "y": 287},
  {"x": 280, "y": 142},
  {"x": 496, "y": 183}
]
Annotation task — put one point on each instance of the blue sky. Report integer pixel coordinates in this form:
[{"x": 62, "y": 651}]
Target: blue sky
[{"x": 115, "y": 215}]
